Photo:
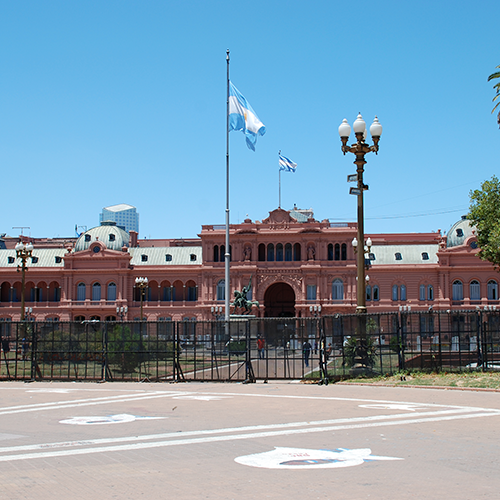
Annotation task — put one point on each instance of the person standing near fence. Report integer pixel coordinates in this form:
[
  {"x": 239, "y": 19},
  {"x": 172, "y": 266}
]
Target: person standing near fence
[
  {"x": 261, "y": 345},
  {"x": 306, "y": 349}
]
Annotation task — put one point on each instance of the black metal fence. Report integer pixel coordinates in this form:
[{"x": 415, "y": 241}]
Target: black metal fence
[{"x": 254, "y": 348}]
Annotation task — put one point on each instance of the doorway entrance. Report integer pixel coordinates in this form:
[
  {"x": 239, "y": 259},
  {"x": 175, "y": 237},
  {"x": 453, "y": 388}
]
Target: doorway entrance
[{"x": 279, "y": 301}]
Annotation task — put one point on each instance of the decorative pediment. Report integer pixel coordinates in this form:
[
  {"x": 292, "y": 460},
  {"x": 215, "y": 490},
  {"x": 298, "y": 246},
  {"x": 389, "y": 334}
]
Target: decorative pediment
[{"x": 279, "y": 216}]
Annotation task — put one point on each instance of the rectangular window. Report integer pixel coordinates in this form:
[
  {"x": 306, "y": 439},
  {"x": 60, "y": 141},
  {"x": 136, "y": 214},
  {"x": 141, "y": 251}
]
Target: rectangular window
[
  {"x": 192, "y": 295},
  {"x": 311, "y": 292},
  {"x": 80, "y": 294},
  {"x": 475, "y": 291}
]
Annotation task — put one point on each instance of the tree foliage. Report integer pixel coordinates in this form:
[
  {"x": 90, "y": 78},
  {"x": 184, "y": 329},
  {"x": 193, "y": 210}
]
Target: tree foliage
[
  {"x": 485, "y": 215},
  {"x": 495, "y": 76}
]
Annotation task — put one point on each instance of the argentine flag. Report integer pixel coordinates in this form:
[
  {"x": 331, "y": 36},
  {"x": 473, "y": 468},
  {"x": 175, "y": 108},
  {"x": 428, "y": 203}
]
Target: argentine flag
[
  {"x": 287, "y": 164},
  {"x": 242, "y": 117}
]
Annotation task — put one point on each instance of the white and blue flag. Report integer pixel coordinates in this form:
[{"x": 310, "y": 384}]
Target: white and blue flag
[
  {"x": 286, "y": 164},
  {"x": 242, "y": 117}
]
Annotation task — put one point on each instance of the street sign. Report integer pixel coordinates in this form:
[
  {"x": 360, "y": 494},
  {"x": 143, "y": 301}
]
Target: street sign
[
  {"x": 355, "y": 191},
  {"x": 352, "y": 177}
]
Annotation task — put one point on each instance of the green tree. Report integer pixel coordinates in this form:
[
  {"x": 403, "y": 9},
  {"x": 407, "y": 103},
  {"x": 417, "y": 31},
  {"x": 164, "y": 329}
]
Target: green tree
[
  {"x": 485, "y": 215},
  {"x": 495, "y": 76}
]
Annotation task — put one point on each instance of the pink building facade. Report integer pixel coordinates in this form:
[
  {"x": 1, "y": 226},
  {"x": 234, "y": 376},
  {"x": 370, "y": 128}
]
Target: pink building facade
[{"x": 293, "y": 260}]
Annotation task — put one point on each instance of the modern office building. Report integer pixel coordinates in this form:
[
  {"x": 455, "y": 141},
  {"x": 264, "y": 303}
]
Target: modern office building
[
  {"x": 125, "y": 216},
  {"x": 294, "y": 261}
]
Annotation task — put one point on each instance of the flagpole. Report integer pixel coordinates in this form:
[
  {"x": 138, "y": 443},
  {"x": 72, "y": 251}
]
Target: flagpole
[
  {"x": 227, "y": 254},
  {"x": 279, "y": 203}
]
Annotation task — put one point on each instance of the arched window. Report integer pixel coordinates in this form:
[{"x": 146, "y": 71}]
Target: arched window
[
  {"x": 376, "y": 293},
  {"x": 337, "y": 251},
  {"x": 421, "y": 295},
  {"x": 288, "y": 252},
  {"x": 216, "y": 253},
  {"x": 96, "y": 291},
  {"x": 430, "y": 292},
  {"x": 279, "y": 252},
  {"x": 270, "y": 252},
  {"x": 457, "y": 290},
  {"x": 111, "y": 291},
  {"x": 368, "y": 293},
  {"x": 81, "y": 292},
  {"x": 475, "y": 290},
  {"x": 337, "y": 289},
  {"x": 262, "y": 252},
  {"x": 297, "y": 252},
  {"x": 343, "y": 252},
  {"x": 492, "y": 290},
  {"x": 402, "y": 292},
  {"x": 221, "y": 290},
  {"x": 330, "y": 251},
  {"x": 222, "y": 257},
  {"x": 395, "y": 292}
]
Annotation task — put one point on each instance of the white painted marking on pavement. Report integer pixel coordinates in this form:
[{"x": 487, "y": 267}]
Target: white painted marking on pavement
[
  {"x": 210, "y": 439},
  {"x": 86, "y": 402},
  {"x": 303, "y": 458},
  {"x": 202, "y": 397},
  {"x": 107, "y": 419}
]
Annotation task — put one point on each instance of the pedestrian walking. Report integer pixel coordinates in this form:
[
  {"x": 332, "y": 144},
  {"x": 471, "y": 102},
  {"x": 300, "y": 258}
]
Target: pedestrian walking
[{"x": 306, "y": 350}]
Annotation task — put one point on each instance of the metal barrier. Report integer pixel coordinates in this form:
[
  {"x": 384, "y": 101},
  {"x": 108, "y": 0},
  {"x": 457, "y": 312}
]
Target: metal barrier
[{"x": 256, "y": 348}]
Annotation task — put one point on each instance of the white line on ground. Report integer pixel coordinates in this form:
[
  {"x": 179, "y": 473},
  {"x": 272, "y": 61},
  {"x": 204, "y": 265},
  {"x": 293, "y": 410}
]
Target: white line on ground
[
  {"x": 88, "y": 402},
  {"x": 231, "y": 437}
]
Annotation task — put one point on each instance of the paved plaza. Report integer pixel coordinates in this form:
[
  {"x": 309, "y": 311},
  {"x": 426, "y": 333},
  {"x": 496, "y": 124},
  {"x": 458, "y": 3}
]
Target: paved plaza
[{"x": 237, "y": 441}]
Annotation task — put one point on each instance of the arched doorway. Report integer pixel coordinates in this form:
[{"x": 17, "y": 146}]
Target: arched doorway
[{"x": 279, "y": 301}]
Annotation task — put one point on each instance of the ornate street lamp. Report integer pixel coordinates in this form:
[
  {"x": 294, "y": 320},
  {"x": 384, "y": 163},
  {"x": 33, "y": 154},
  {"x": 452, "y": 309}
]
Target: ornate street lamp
[
  {"x": 142, "y": 284},
  {"x": 315, "y": 311},
  {"x": 23, "y": 252},
  {"x": 360, "y": 148},
  {"x": 217, "y": 312},
  {"x": 122, "y": 311}
]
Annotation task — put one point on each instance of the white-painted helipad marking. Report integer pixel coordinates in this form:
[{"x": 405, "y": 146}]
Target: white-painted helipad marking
[
  {"x": 107, "y": 419},
  {"x": 302, "y": 458},
  {"x": 394, "y": 406},
  {"x": 51, "y": 390},
  {"x": 206, "y": 436},
  {"x": 201, "y": 397},
  {"x": 57, "y": 405}
]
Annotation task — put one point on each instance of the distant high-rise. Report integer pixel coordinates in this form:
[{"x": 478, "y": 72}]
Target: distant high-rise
[{"x": 124, "y": 215}]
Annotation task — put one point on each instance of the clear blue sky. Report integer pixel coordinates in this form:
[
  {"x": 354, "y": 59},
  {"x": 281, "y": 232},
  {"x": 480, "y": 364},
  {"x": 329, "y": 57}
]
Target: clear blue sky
[{"x": 106, "y": 102}]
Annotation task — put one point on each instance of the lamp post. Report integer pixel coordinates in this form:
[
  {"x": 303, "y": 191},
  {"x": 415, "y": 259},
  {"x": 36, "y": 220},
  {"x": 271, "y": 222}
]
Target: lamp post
[
  {"x": 122, "y": 311},
  {"x": 142, "y": 284},
  {"x": 361, "y": 277},
  {"x": 360, "y": 149},
  {"x": 217, "y": 312},
  {"x": 315, "y": 311},
  {"x": 23, "y": 252}
]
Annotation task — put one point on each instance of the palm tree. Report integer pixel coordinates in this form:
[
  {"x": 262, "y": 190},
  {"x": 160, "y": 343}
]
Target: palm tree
[{"x": 497, "y": 88}]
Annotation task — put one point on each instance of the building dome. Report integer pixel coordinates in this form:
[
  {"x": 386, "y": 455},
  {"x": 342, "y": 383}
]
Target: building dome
[
  {"x": 459, "y": 232},
  {"x": 108, "y": 233}
]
